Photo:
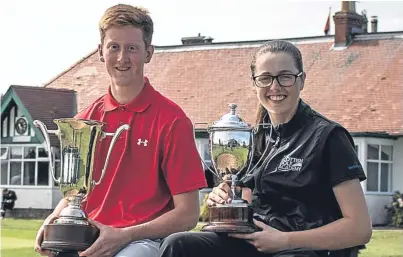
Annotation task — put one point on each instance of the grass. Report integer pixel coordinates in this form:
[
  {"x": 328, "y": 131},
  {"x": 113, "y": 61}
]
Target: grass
[
  {"x": 18, "y": 237},
  {"x": 384, "y": 243},
  {"x": 17, "y": 240}
]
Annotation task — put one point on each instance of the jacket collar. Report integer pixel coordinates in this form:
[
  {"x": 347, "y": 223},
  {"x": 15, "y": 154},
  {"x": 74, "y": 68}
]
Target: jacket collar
[{"x": 300, "y": 118}]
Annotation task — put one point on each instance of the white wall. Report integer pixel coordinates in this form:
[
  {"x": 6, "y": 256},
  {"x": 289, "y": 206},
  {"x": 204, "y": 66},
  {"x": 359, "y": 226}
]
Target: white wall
[
  {"x": 33, "y": 197},
  {"x": 36, "y": 197},
  {"x": 397, "y": 177},
  {"x": 376, "y": 206},
  {"x": 56, "y": 196}
]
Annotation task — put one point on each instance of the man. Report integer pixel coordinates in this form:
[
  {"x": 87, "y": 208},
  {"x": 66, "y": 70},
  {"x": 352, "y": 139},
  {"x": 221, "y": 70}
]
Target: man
[
  {"x": 8, "y": 201},
  {"x": 150, "y": 188}
]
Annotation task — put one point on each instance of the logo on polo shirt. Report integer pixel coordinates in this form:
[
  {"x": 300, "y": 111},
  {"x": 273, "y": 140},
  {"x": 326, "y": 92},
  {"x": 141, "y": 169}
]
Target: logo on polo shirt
[
  {"x": 290, "y": 164},
  {"x": 140, "y": 141}
]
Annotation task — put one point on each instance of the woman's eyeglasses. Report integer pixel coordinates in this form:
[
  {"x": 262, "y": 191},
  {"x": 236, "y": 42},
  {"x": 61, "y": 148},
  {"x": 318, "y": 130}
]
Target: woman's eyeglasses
[{"x": 284, "y": 80}]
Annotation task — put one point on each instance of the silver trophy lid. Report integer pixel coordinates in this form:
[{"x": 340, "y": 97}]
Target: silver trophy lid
[{"x": 231, "y": 120}]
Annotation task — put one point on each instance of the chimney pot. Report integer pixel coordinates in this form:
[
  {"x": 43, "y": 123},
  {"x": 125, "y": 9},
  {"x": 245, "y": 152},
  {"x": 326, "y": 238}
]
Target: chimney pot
[
  {"x": 374, "y": 24},
  {"x": 348, "y": 6}
]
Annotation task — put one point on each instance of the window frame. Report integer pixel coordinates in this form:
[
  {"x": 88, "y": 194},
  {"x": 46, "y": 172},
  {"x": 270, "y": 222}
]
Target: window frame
[
  {"x": 362, "y": 143},
  {"x": 202, "y": 144},
  {"x": 23, "y": 160}
]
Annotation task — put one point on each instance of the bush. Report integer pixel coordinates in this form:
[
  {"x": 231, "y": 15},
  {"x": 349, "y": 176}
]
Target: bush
[
  {"x": 395, "y": 211},
  {"x": 204, "y": 211}
]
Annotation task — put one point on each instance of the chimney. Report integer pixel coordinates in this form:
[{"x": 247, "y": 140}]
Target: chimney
[
  {"x": 199, "y": 40},
  {"x": 347, "y": 23},
  {"x": 374, "y": 24}
]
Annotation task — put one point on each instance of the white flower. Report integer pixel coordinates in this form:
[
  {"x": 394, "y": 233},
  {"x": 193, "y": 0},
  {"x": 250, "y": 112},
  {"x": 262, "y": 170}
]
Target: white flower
[{"x": 400, "y": 201}]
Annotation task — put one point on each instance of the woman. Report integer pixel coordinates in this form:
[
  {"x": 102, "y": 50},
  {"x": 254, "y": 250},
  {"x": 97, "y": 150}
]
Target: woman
[{"x": 307, "y": 196}]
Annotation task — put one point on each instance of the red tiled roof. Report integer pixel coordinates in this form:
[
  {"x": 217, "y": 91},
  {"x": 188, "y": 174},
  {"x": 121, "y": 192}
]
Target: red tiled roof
[{"x": 360, "y": 86}]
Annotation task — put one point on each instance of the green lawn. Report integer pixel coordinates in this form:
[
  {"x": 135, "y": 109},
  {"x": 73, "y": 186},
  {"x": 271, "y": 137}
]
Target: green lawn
[
  {"x": 18, "y": 237},
  {"x": 384, "y": 243},
  {"x": 17, "y": 240}
]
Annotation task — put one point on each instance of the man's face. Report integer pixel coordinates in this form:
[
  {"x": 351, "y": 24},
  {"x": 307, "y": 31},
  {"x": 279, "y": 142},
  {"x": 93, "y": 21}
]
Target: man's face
[{"x": 125, "y": 54}]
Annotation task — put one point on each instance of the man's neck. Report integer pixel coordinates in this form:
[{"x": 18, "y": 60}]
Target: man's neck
[{"x": 124, "y": 95}]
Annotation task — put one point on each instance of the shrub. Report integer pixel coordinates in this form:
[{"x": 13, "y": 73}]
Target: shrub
[{"x": 395, "y": 211}]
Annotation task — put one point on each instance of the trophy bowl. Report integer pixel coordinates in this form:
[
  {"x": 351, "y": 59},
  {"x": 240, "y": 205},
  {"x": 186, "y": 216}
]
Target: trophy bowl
[
  {"x": 231, "y": 145},
  {"x": 71, "y": 232}
]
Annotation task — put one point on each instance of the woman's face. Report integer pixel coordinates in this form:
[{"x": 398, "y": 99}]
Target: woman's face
[{"x": 277, "y": 99}]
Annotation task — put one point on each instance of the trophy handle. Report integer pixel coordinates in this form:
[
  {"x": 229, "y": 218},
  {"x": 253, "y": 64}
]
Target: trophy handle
[
  {"x": 264, "y": 125},
  {"x": 252, "y": 153},
  {"x": 113, "y": 141},
  {"x": 194, "y": 134},
  {"x": 39, "y": 124}
]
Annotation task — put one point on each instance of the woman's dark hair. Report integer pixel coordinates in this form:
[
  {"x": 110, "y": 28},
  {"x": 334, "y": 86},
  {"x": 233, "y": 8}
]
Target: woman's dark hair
[{"x": 274, "y": 46}]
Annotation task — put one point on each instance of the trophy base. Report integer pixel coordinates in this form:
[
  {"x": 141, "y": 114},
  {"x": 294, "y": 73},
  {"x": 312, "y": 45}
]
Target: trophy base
[
  {"x": 69, "y": 238},
  {"x": 67, "y": 254},
  {"x": 229, "y": 227},
  {"x": 231, "y": 218}
]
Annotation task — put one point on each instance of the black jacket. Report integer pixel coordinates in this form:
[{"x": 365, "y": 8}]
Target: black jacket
[{"x": 305, "y": 159}]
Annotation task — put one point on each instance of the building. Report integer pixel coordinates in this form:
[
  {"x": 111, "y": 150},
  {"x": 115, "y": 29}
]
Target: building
[
  {"x": 353, "y": 77},
  {"x": 25, "y": 161}
]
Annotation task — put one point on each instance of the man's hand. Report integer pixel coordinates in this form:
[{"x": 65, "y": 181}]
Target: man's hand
[
  {"x": 268, "y": 240},
  {"x": 220, "y": 194},
  {"x": 39, "y": 237},
  {"x": 110, "y": 241}
]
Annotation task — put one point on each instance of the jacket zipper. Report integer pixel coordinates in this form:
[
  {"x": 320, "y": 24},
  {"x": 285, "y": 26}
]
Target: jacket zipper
[{"x": 270, "y": 156}]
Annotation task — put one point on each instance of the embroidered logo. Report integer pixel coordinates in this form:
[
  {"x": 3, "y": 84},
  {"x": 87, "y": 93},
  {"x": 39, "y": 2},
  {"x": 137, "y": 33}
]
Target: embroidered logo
[
  {"x": 290, "y": 164},
  {"x": 139, "y": 142}
]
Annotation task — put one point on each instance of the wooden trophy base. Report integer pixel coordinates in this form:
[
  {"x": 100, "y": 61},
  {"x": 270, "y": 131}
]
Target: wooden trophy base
[
  {"x": 67, "y": 254},
  {"x": 68, "y": 238},
  {"x": 230, "y": 218}
]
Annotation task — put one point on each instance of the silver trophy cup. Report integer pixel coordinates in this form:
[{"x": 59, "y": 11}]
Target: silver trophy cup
[
  {"x": 78, "y": 138},
  {"x": 231, "y": 148}
]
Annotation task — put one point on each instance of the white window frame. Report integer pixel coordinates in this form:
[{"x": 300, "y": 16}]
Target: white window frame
[
  {"x": 36, "y": 160},
  {"x": 362, "y": 143}
]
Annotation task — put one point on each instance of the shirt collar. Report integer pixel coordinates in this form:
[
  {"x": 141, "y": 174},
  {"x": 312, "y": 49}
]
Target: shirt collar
[{"x": 139, "y": 104}]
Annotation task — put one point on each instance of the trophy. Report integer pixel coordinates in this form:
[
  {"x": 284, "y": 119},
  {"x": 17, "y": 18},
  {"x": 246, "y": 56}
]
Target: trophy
[
  {"x": 71, "y": 232},
  {"x": 231, "y": 148}
]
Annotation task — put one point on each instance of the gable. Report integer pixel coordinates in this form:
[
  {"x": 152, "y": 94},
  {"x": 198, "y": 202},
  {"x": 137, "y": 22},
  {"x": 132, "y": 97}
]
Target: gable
[
  {"x": 34, "y": 103},
  {"x": 11, "y": 110}
]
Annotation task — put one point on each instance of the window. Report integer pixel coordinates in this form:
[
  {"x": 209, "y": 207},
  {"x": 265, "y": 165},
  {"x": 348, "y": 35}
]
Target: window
[
  {"x": 379, "y": 167},
  {"x": 202, "y": 145},
  {"x": 25, "y": 166},
  {"x": 56, "y": 152}
]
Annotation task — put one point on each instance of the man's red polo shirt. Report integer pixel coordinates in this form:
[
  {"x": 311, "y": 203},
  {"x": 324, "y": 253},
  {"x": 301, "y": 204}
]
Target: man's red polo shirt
[{"x": 155, "y": 159}]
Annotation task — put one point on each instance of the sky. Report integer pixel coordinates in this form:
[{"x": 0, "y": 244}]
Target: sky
[{"x": 42, "y": 38}]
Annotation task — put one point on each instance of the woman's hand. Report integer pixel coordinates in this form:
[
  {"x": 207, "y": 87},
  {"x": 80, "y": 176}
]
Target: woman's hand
[{"x": 268, "y": 240}]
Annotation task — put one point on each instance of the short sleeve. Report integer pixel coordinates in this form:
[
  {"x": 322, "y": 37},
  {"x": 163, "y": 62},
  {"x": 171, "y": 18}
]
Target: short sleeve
[
  {"x": 340, "y": 158},
  {"x": 181, "y": 164}
]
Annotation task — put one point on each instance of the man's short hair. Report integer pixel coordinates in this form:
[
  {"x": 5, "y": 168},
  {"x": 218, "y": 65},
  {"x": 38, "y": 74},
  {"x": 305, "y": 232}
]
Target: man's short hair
[{"x": 127, "y": 15}]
